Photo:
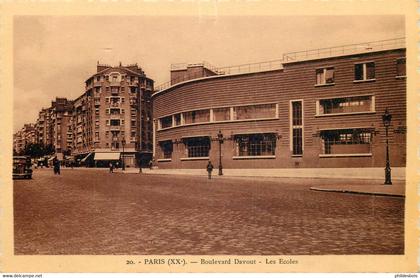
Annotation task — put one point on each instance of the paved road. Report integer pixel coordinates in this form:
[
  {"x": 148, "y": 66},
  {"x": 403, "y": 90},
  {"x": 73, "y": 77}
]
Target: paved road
[{"x": 94, "y": 212}]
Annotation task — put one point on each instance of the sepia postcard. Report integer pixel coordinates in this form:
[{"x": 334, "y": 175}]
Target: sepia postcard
[{"x": 209, "y": 136}]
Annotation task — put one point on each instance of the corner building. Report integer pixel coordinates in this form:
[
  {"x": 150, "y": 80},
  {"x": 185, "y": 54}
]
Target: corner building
[
  {"x": 112, "y": 120},
  {"x": 316, "y": 109}
]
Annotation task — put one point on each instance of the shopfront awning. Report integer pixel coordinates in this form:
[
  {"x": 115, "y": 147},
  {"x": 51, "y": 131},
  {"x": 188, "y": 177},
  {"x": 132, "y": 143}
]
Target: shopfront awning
[
  {"x": 107, "y": 156},
  {"x": 86, "y": 157}
]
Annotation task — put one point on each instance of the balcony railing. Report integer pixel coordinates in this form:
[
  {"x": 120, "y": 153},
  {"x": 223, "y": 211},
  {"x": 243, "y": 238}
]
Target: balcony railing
[{"x": 114, "y": 128}]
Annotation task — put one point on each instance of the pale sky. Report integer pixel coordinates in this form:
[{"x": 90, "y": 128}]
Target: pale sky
[{"x": 53, "y": 56}]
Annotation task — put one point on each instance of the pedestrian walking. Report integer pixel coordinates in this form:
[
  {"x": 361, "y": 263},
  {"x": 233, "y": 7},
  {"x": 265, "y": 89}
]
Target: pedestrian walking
[
  {"x": 111, "y": 167},
  {"x": 209, "y": 169},
  {"x": 151, "y": 164},
  {"x": 56, "y": 166}
]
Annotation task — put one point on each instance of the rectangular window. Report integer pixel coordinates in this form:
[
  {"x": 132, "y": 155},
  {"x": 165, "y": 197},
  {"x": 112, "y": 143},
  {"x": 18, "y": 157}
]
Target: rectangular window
[
  {"x": 346, "y": 105},
  {"x": 297, "y": 127},
  {"x": 115, "y": 111},
  {"x": 198, "y": 116},
  {"x": 115, "y": 122},
  {"x": 346, "y": 141},
  {"x": 325, "y": 76},
  {"x": 166, "y": 122},
  {"x": 261, "y": 144},
  {"x": 401, "y": 69},
  {"x": 166, "y": 148},
  {"x": 259, "y": 111},
  {"x": 221, "y": 114},
  {"x": 197, "y": 146},
  {"x": 177, "y": 118},
  {"x": 364, "y": 71}
]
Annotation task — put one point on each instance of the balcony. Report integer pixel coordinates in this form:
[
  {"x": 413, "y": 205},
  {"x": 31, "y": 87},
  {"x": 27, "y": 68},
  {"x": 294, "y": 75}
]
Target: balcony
[
  {"x": 115, "y": 104},
  {"x": 115, "y": 128},
  {"x": 114, "y": 83},
  {"x": 97, "y": 101},
  {"x": 97, "y": 84},
  {"x": 133, "y": 101}
]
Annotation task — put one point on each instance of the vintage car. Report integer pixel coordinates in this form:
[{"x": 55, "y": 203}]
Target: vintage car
[{"x": 22, "y": 167}]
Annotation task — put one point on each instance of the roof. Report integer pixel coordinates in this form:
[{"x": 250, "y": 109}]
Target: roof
[{"x": 293, "y": 57}]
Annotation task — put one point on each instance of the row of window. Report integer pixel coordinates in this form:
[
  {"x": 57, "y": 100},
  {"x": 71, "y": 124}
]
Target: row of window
[
  {"x": 221, "y": 114},
  {"x": 333, "y": 142},
  {"x": 362, "y": 72},
  {"x": 340, "y": 105}
]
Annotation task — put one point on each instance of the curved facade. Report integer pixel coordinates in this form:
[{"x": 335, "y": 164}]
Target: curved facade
[{"x": 308, "y": 114}]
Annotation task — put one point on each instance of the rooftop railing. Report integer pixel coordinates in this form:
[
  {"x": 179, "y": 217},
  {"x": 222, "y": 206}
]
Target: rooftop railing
[
  {"x": 289, "y": 57},
  {"x": 344, "y": 50}
]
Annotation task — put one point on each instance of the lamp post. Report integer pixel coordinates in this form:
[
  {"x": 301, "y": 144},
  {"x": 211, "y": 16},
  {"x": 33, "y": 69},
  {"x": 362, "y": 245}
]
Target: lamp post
[
  {"x": 220, "y": 138},
  {"x": 123, "y": 162},
  {"x": 386, "y": 119}
]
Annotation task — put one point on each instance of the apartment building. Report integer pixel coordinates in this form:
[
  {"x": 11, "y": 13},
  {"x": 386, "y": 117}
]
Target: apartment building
[
  {"x": 112, "y": 120},
  {"x": 318, "y": 108},
  {"x": 24, "y": 137}
]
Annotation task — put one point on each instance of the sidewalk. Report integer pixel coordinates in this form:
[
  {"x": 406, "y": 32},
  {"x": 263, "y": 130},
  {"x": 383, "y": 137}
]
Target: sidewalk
[
  {"x": 325, "y": 184},
  {"x": 397, "y": 189}
]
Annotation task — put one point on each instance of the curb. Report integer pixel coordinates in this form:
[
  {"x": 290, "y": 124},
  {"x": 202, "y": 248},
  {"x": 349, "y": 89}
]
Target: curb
[{"x": 357, "y": 192}]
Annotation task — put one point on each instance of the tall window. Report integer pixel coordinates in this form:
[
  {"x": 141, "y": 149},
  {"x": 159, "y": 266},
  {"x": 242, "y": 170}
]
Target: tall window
[
  {"x": 255, "y": 144},
  {"x": 259, "y": 111},
  {"x": 401, "y": 69},
  {"x": 166, "y": 148},
  {"x": 177, "y": 118},
  {"x": 197, "y": 146},
  {"x": 346, "y": 105},
  {"x": 346, "y": 141},
  {"x": 197, "y": 116},
  {"x": 297, "y": 127},
  {"x": 364, "y": 71},
  {"x": 221, "y": 114},
  {"x": 325, "y": 76}
]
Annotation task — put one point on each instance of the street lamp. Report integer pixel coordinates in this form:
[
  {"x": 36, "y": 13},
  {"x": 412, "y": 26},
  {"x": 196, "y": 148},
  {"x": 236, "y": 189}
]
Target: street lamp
[
  {"x": 123, "y": 162},
  {"x": 386, "y": 119},
  {"x": 220, "y": 138}
]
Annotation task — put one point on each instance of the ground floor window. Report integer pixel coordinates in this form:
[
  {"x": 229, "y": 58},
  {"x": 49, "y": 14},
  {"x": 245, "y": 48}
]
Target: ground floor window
[
  {"x": 197, "y": 146},
  {"x": 255, "y": 144},
  {"x": 346, "y": 141},
  {"x": 166, "y": 148}
]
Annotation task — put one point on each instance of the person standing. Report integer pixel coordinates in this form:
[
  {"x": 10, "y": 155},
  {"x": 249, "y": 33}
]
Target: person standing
[
  {"x": 54, "y": 165},
  {"x": 111, "y": 167},
  {"x": 58, "y": 166},
  {"x": 209, "y": 169}
]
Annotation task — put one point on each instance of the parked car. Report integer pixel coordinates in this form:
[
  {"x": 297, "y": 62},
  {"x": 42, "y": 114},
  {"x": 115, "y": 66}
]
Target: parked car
[{"x": 22, "y": 167}]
